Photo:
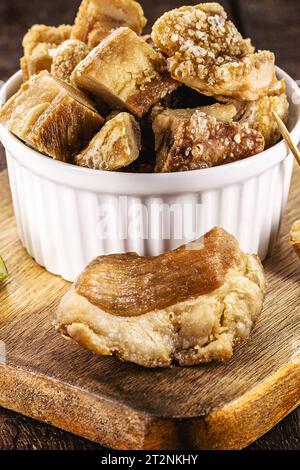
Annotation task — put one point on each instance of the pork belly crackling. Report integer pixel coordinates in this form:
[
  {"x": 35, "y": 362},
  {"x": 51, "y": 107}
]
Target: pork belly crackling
[
  {"x": 51, "y": 116},
  {"x": 66, "y": 57},
  {"x": 38, "y": 44},
  {"x": 116, "y": 145},
  {"x": 125, "y": 72},
  {"x": 206, "y": 52},
  {"x": 201, "y": 138},
  {"x": 96, "y": 19},
  {"x": 259, "y": 114},
  {"x": 189, "y": 306}
]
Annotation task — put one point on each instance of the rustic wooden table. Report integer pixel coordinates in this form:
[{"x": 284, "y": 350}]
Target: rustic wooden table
[{"x": 272, "y": 24}]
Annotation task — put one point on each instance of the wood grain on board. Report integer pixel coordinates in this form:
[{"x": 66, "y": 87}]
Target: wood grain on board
[{"x": 128, "y": 407}]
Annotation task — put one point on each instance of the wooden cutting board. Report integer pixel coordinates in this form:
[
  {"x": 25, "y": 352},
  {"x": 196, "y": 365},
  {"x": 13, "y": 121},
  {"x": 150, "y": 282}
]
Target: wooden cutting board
[{"x": 123, "y": 406}]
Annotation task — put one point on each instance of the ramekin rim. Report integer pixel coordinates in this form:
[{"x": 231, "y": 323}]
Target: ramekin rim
[{"x": 213, "y": 173}]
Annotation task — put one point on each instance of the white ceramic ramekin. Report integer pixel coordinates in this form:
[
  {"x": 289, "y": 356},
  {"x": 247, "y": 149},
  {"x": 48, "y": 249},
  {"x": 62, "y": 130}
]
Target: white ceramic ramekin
[{"x": 67, "y": 215}]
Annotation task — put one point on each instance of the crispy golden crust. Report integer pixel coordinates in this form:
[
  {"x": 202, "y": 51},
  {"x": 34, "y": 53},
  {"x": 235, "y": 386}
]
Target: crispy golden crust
[
  {"x": 168, "y": 120},
  {"x": 40, "y": 33},
  {"x": 259, "y": 115},
  {"x": 203, "y": 142},
  {"x": 66, "y": 57},
  {"x": 97, "y": 18},
  {"x": 144, "y": 284},
  {"x": 126, "y": 72},
  {"x": 24, "y": 68},
  {"x": 40, "y": 59},
  {"x": 24, "y": 108},
  {"x": 142, "y": 101},
  {"x": 206, "y": 52},
  {"x": 205, "y": 24},
  {"x": 295, "y": 237},
  {"x": 64, "y": 128},
  {"x": 265, "y": 121},
  {"x": 116, "y": 145},
  {"x": 51, "y": 116},
  {"x": 278, "y": 88},
  {"x": 199, "y": 329},
  {"x": 38, "y": 44}
]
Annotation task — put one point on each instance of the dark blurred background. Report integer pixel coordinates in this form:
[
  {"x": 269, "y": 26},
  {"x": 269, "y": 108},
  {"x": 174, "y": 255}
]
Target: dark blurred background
[{"x": 272, "y": 24}]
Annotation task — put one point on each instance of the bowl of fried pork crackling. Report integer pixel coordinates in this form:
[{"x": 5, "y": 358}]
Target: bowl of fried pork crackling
[
  {"x": 150, "y": 172},
  {"x": 118, "y": 142}
]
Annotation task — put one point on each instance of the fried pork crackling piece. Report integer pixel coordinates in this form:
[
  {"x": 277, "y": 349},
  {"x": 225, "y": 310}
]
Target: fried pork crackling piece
[
  {"x": 125, "y": 72},
  {"x": 295, "y": 237},
  {"x": 40, "y": 59},
  {"x": 259, "y": 114},
  {"x": 203, "y": 142},
  {"x": 168, "y": 120},
  {"x": 116, "y": 145},
  {"x": 51, "y": 116},
  {"x": 66, "y": 57},
  {"x": 38, "y": 43},
  {"x": 189, "y": 306},
  {"x": 206, "y": 52},
  {"x": 96, "y": 19},
  {"x": 39, "y": 33}
]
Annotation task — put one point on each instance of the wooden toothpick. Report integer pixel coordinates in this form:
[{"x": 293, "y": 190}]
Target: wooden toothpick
[{"x": 287, "y": 137}]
